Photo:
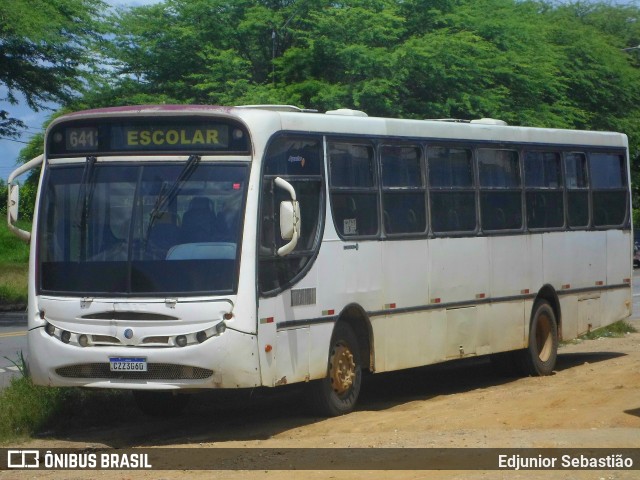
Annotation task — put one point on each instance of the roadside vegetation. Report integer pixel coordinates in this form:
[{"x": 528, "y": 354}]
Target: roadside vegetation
[
  {"x": 615, "y": 330},
  {"x": 14, "y": 266},
  {"x": 28, "y": 410}
]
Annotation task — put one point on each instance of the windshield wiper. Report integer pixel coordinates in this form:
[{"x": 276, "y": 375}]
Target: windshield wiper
[
  {"x": 164, "y": 199},
  {"x": 85, "y": 194}
]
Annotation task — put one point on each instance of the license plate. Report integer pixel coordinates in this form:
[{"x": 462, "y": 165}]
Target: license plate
[{"x": 128, "y": 364}]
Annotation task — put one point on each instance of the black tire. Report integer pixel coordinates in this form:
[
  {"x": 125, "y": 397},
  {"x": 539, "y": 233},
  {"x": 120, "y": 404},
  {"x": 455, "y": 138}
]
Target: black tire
[
  {"x": 539, "y": 358},
  {"x": 337, "y": 393},
  {"x": 160, "y": 404}
]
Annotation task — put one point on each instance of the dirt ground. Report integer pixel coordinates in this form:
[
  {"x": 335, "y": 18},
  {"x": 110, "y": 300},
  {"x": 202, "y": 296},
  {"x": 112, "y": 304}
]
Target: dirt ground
[{"x": 592, "y": 400}]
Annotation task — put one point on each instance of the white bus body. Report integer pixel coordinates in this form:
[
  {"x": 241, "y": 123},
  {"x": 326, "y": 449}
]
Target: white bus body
[{"x": 537, "y": 225}]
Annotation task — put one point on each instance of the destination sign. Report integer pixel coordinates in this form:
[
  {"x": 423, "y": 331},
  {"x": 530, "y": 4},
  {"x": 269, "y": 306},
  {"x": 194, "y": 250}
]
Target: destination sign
[
  {"x": 170, "y": 137},
  {"x": 108, "y": 136}
]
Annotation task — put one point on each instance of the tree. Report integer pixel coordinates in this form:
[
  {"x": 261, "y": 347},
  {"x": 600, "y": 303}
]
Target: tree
[{"x": 45, "y": 51}]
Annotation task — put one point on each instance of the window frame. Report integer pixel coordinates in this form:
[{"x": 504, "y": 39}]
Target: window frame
[
  {"x": 624, "y": 188},
  {"x": 400, "y": 190},
  {"x": 473, "y": 188},
  {"x": 520, "y": 189},
  {"x": 537, "y": 189},
  {"x": 567, "y": 190},
  {"x": 374, "y": 189}
]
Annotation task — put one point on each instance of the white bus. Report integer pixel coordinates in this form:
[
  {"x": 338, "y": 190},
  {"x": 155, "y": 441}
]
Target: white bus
[{"x": 177, "y": 248}]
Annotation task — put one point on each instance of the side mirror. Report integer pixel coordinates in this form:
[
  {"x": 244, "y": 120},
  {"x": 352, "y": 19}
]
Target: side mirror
[{"x": 289, "y": 218}]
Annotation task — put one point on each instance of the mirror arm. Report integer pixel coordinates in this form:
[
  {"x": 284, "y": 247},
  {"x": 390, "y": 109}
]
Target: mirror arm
[{"x": 12, "y": 200}]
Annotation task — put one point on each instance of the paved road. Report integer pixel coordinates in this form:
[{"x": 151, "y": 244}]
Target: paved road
[{"x": 13, "y": 340}]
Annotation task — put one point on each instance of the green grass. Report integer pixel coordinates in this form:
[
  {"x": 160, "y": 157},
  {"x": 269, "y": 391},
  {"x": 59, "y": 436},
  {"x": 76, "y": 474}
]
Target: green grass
[
  {"x": 14, "y": 266},
  {"x": 615, "y": 330},
  {"x": 27, "y": 409}
]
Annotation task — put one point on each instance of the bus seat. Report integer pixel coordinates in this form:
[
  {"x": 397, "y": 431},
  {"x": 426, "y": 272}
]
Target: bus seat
[{"x": 198, "y": 221}]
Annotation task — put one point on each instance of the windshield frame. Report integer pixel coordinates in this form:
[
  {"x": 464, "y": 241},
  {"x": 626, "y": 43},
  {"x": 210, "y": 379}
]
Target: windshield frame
[{"x": 137, "y": 163}]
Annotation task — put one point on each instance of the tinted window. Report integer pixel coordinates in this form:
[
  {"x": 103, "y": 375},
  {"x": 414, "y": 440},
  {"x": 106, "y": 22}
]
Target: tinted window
[
  {"x": 544, "y": 197},
  {"x": 542, "y": 170},
  {"x": 290, "y": 155},
  {"x": 450, "y": 167},
  {"x": 354, "y": 194},
  {"x": 501, "y": 210},
  {"x": 403, "y": 199},
  {"x": 453, "y": 212},
  {"x": 351, "y": 165},
  {"x": 575, "y": 165},
  {"x": 401, "y": 167},
  {"x": 499, "y": 168},
  {"x": 609, "y": 197},
  {"x": 607, "y": 170},
  {"x": 500, "y": 196},
  {"x": 576, "y": 181}
]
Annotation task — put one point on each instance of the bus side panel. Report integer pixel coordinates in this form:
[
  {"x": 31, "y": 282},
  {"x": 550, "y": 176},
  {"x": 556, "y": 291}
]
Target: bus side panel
[
  {"x": 618, "y": 302},
  {"x": 406, "y": 267},
  {"x": 459, "y": 269},
  {"x": 501, "y": 327},
  {"x": 409, "y": 340}
]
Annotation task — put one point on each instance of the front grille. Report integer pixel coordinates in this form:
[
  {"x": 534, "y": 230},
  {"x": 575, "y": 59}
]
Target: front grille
[{"x": 156, "y": 371}]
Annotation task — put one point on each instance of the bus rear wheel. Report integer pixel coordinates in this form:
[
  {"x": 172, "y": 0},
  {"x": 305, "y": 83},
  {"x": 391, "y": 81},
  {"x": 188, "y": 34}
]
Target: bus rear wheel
[
  {"x": 539, "y": 358},
  {"x": 160, "y": 404},
  {"x": 337, "y": 393}
]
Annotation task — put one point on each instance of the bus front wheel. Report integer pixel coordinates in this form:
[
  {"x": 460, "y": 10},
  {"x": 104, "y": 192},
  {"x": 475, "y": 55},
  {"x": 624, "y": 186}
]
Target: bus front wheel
[
  {"x": 337, "y": 393},
  {"x": 539, "y": 358}
]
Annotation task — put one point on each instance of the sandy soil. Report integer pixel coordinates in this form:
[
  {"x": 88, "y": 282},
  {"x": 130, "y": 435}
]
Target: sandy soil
[{"x": 592, "y": 400}]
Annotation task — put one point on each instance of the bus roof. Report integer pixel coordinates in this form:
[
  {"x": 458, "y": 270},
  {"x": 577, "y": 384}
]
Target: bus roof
[{"x": 353, "y": 122}]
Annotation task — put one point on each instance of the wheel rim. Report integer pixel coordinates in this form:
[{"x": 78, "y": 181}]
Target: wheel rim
[
  {"x": 544, "y": 336},
  {"x": 342, "y": 370}
]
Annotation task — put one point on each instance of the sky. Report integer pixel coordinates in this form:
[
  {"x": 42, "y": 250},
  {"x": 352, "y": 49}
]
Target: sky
[{"x": 10, "y": 149}]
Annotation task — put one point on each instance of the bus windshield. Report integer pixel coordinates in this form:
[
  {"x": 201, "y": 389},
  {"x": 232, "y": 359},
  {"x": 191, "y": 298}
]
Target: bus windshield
[{"x": 148, "y": 228}]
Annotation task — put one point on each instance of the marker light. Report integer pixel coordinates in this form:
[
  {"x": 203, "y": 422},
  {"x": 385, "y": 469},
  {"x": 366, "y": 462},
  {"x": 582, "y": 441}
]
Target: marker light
[
  {"x": 181, "y": 340},
  {"x": 65, "y": 336}
]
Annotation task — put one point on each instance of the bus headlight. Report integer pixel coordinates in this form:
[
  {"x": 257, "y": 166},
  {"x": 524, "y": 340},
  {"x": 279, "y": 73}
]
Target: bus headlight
[
  {"x": 65, "y": 336},
  {"x": 50, "y": 329},
  {"x": 181, "y": 340}
]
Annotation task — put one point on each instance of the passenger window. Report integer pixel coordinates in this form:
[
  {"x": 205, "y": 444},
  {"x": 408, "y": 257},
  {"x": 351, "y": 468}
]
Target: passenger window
[
  {"x": 575, "y": 167},
  {"x": 354, "y": 194},
  {"x": 452, "y": 191},
  {"x": 608, "y": 180},
  {"x": 403, "y": 197},
  {"x": 298, "y": 160},
  {"x": 500, "y": 189},
  {"x": 544, "y": 197}
]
